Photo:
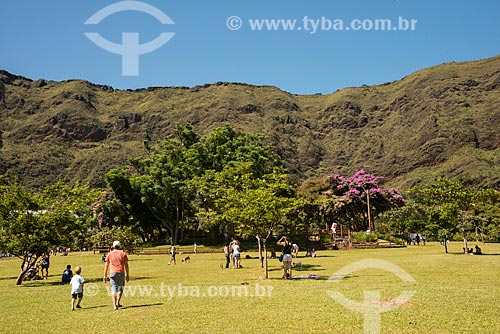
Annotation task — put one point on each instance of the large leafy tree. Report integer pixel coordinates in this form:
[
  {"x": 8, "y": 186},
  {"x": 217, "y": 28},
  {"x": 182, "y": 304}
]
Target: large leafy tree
[
  {"x": 104, "y": 237},
  {"x": 250, "y": 206},
  {"x": 411, "y": 218},
  {"x": 453, "y": 207},
  {"x": 161, "y": 184},
  {"x": 316, "y": 205},
  {"x": 123, "y": 206},
  {"x": 487, "y": 222},
  {"x": 159, "y": 188},
  {"x": 359, "y": 196},
  {"x": 32, "y": 223}
]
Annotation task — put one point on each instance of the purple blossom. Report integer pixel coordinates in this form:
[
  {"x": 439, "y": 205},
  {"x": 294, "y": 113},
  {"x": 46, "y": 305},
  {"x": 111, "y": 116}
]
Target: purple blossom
[
  {"x": 353, "y": 191},
  {"x": 361, "y": 182},
  {"x": 338, "y": 181},
  {"x": 375, "y": 191},
  {"x": 395, "y": 197},
  {"x": 98, "y": 209},
  {"x": 100, "y": 219},
  {"x": 362, "y": 179},
  {"x": 351, "y": 196}
]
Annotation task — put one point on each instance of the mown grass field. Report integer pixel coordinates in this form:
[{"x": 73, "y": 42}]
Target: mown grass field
[{"x": 455, "y": 293}]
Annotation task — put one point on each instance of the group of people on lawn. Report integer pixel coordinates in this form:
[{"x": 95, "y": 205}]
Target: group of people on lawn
[
  {"x": 232, "y": 252},
  {"x": 116, "y": 263}
]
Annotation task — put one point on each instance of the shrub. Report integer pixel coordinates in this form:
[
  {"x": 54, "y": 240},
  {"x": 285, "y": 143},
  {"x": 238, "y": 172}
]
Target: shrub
[{"x": 363, "y": 237}]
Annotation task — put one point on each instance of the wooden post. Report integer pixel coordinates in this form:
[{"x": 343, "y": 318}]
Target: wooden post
[{"x": 372, "y": 228}]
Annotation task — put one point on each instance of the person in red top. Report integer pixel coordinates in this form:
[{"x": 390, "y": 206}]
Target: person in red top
[{"x": 117, "y": 263}]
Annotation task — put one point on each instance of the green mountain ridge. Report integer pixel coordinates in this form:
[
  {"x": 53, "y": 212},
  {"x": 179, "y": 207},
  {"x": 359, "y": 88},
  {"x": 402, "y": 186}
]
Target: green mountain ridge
[{"x": 439, "y": 121}]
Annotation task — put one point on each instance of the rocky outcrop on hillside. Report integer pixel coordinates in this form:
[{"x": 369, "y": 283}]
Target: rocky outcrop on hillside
[{"x": 440, "y": 121}]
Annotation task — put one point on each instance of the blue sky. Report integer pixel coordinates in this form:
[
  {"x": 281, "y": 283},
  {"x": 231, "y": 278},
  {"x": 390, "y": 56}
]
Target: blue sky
[{"x": 46, "y": 39}]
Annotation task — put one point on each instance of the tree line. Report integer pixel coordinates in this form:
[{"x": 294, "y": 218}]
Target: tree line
[{"x": 227, "y": 182}]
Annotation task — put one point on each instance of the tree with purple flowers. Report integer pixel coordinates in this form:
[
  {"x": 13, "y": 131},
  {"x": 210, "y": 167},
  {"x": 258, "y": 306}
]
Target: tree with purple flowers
[{"x": 359, "y": 197}]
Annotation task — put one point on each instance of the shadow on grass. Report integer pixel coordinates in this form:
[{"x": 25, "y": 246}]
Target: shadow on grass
[
  {"x": 8, "y": 278},
  {"x": 39, "y": 283},
  {"x": 98, "y": 280},
  {"x": 133, "y": 278},
  {"x": 303, "y": 267},
  {"x": 125, "y": 307},
  {"x": 95, "y": 306},
  {"x": 306, "y": 266},
  {"x": 142, "y": 305},
  {"x": 301, "y": 277},
  {"x": 462, "y": 253},
  {"x": 347, "y": 277},
  {"x": 310, "y": 269}
]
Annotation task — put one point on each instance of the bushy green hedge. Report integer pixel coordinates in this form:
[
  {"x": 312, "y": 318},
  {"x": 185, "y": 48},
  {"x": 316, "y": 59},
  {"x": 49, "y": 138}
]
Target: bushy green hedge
[{"x": 363, "y": 237}]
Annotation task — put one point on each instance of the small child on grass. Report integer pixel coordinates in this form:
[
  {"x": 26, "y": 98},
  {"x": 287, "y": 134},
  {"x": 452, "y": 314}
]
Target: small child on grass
[
  {"x": 67, "y": 275},
  {"x": 77, "y": 282}
]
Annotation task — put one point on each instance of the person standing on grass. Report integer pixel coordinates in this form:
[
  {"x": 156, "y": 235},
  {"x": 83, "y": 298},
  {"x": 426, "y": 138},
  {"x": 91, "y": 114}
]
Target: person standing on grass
[
  {"x": 76, "y": 282},
  {"x": 45, "y": 266},
  {"x": 231, "y": 246},
  {"x": 172, "y": 252},
  {"x": 227, "y": 255},
  {"x": 117, "y": 263},
  {"x": 287, "y": 256},
  {"x": 334, "y": 230},
  {"x": 195, "y": 248},
  {"x": 295, "y": 250},
  {"x": 236, "y": 254}
]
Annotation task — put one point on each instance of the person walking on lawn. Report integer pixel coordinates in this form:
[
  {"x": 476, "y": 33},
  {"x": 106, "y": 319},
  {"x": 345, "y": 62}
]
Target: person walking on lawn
[{"x": 117, "y": 263}]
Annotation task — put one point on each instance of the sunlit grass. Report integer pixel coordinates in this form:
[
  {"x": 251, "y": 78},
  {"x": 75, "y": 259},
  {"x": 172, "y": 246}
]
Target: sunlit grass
[{"x": 455, "y": 293}]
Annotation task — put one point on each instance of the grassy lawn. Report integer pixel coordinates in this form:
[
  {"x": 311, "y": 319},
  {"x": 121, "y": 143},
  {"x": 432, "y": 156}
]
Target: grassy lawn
[{"x": 455, "y": 293}]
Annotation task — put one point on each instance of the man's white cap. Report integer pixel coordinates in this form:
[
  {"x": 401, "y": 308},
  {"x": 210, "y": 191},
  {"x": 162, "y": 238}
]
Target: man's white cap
[{"x": 116, "y": 243}]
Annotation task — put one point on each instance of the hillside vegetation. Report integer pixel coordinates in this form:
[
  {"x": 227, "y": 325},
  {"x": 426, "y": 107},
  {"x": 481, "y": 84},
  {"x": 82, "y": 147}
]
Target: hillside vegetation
[{"x": 440, "y": 121}]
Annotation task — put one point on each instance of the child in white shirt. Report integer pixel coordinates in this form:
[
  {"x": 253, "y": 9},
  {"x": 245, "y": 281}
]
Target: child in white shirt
[{"x": 76, "y": 282}]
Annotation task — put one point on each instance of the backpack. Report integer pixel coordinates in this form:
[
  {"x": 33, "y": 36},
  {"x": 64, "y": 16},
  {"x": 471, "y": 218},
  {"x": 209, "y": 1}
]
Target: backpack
[{"x": 66, "y": 276}]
